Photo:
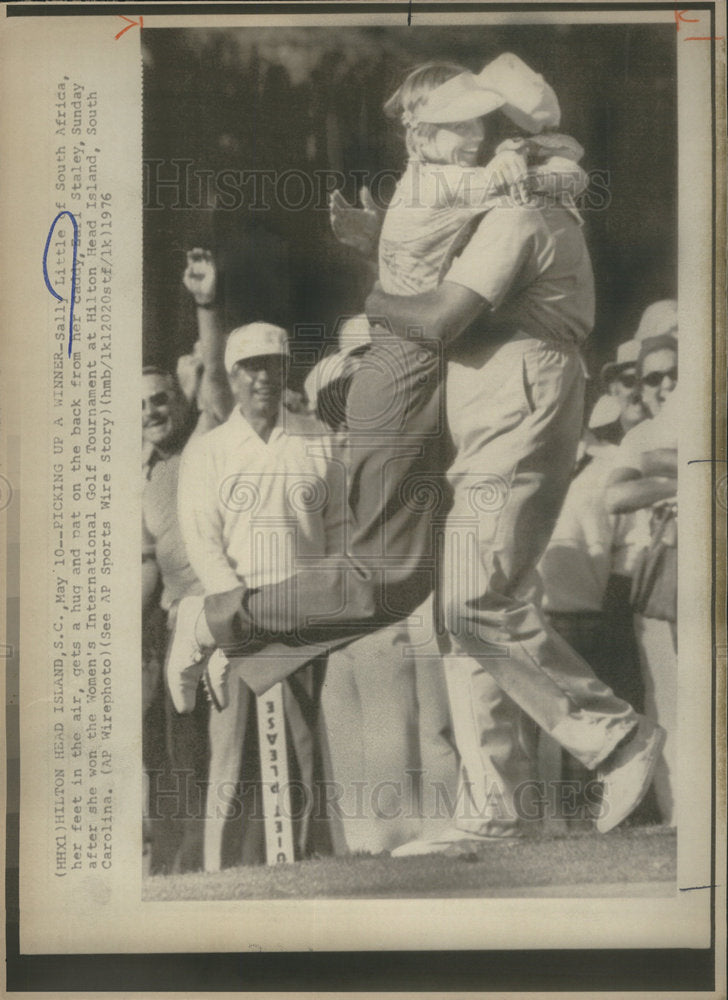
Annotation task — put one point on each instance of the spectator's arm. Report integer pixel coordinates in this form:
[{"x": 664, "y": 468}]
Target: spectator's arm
[
  {"x": 628, "y": 490},
  {"x": 215, "y": 398},
  {"x": 441, "y": 314},
  {"x": 200, "y": 520},
  {"x": 660, "y": 462}
]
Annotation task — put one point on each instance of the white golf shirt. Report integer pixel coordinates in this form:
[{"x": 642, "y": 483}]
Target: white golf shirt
[{"x": 251, "y": 510}]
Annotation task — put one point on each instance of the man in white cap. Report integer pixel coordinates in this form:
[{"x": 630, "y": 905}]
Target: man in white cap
[
  {"x": 250, "y": 462},
  {"x": 255, "y": 495}
]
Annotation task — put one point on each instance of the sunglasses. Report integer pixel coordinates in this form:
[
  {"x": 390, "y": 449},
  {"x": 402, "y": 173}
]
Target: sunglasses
[
  {"x": 627, "y": 380},
  {"x": 158, "y": 399},
  {"x": 654, "y": 379}
]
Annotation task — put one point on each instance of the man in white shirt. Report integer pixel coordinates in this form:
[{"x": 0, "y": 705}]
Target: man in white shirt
[
  {"x": 257, "y": 496},
  {"x": 253, "y": 491}
]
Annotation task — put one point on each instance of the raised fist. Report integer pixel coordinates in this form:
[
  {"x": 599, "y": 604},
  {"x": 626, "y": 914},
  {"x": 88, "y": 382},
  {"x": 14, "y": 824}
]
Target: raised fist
[{"x": 200, "y": 277}]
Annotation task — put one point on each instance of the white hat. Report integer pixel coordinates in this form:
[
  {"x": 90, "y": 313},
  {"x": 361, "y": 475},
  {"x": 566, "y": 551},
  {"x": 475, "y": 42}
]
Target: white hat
[
  {"x": 459, "y": 99},
  {"x": 254, "y": 340},
  {"x": 658, "y": 319},
  {"x": 355, "y": 333},
  {"x": 527, "y": 99},
  {"x": 627, "y": 354},
  {"x": 606, "y": 411}
]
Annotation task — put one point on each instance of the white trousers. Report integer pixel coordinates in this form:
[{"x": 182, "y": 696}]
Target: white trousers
[
  {"x": 512, "y": 471},
  {"x": 369, "y": 709}
]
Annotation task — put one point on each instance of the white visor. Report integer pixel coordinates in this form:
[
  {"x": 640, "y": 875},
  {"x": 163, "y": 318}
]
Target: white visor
[{"x": 457, "y": 100}]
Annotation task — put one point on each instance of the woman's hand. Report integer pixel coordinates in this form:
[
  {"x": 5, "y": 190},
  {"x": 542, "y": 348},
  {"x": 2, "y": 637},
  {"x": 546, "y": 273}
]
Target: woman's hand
[
  {"x": 356, "y": 227},
  {"x": 509, "y": 171}
]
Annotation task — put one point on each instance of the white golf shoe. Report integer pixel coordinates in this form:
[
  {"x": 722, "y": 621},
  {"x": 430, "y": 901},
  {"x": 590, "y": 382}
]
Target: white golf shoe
[
  {"x": 449, "y": 840},
  {"x": 185, "y": 657},
  {"x": 217, "y": 669},
  {"x": 627, "y": 773}
]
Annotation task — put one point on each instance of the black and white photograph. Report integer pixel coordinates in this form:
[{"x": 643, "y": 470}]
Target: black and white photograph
[
  {"x": 379, "y": 655},
  {"x": 410, "y": 457}
]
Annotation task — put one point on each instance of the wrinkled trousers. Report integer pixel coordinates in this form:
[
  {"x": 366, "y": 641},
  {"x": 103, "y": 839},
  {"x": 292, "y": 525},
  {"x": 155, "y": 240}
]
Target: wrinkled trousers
[
  {"x": 396, "y": 438},
  {"x": 509, "y": 484}
]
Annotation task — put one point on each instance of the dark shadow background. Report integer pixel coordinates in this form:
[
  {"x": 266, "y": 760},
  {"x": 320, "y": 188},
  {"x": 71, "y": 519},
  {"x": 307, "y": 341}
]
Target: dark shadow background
[{"x": 310, "y": 99}]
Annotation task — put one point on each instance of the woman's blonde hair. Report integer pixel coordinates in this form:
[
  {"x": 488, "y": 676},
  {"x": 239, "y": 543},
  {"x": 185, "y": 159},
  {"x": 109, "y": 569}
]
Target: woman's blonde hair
[{"x": 412, "y": 93}]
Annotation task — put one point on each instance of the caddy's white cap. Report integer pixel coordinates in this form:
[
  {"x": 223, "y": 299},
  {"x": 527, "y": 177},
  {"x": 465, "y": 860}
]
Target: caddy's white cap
[
  {"x": 253, "y": 340},
  {"x": 506, "y": 83},
  {"x": 458, "y": 99},
  {"x": 527, "y": 99}
]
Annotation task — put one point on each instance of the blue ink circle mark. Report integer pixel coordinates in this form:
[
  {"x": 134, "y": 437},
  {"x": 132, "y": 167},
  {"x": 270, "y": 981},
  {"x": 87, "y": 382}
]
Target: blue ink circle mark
[{"x": 49, "y": 286}]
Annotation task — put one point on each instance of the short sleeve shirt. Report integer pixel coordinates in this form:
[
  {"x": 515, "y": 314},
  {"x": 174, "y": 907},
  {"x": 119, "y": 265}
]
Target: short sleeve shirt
[{"x": 533, "y": 267}]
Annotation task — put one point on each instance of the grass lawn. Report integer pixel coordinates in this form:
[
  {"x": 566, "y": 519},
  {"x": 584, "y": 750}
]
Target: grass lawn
[{"x": 638, "y": 855}]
